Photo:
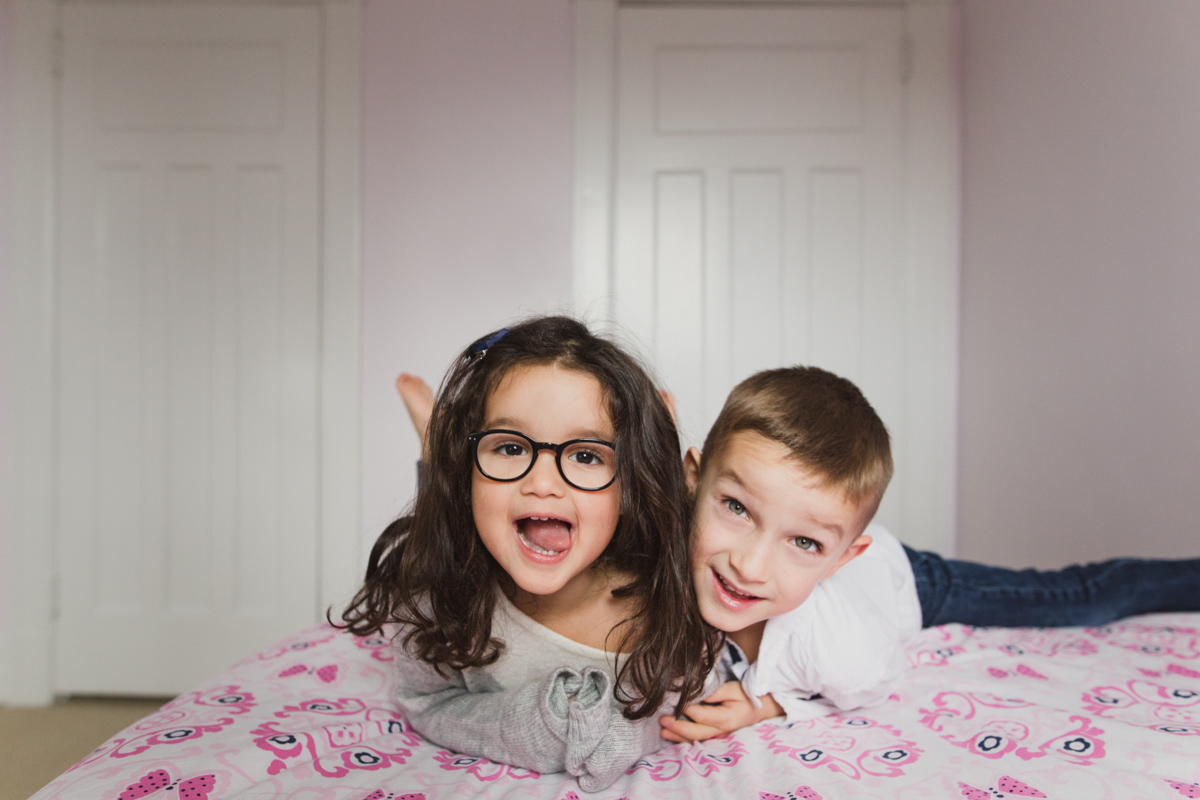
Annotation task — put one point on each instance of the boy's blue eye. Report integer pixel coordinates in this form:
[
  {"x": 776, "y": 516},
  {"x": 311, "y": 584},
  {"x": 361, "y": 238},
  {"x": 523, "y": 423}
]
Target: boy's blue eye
[
  {"x": 806, "y": 544},
  {"x": 735, "y": 506}
]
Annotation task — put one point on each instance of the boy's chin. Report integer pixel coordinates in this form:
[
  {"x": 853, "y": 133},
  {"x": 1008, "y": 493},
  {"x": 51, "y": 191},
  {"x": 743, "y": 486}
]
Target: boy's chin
[{"x": 728, "y": 621}]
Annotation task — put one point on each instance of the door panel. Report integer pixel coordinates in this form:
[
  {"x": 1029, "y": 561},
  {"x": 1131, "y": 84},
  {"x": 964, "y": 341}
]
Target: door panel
[
  {"x": 759, "y": 201},
  {"x": 188, "y": 339}
]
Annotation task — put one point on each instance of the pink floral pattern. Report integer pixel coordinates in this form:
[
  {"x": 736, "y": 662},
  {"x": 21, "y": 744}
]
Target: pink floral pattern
[{"x": 1112, "y": 711}]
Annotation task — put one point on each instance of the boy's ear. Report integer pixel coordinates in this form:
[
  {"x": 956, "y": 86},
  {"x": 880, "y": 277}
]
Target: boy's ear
[
  {"x": 691, "y": 468},
  {"x": 856, "y": 549}
]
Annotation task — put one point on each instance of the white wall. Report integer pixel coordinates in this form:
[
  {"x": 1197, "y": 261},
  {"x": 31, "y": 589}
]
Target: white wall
[
  {"x": 467, "y": 168},
  {"x": 1080, "y": 359},
  {"x": 6, "y": 465}
]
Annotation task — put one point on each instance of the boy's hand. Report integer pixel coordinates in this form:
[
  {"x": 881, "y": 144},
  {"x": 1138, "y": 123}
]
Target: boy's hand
[{"x": 722, "y": 712}]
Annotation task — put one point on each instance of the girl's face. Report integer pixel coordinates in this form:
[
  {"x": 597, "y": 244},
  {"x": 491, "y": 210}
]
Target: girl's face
[{"x": 542, "y": 531}]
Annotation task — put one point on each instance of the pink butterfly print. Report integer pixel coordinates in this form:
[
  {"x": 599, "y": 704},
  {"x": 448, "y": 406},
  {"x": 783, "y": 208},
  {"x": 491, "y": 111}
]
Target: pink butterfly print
[
  {"x": 1030, "y": 672},
  {"x": 148, "y": 784},
  {"x": 801, "y": 793},
  {"x": 971, "y": 793},
  {"x": 1020, "y": 788},
  {"x": 1176, "y": 669},
  {"x": 197, "y": 788},
  {"x": 327, "y": 673},
  {"x": 1186, "y": 789}
]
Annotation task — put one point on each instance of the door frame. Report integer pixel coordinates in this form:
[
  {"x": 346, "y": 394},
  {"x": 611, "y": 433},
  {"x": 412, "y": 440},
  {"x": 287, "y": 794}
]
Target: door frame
[
  {"x": 931, "y": 228},
  {"x": 31, "y": 321}
]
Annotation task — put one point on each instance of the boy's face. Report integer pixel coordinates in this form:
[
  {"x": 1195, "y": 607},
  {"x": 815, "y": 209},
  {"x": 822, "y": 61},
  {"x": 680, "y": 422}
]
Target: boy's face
[{"x": 765, "y": 532}]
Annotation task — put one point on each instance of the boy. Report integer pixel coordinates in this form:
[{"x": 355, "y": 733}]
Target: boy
[{"x": 819, "y": 604}]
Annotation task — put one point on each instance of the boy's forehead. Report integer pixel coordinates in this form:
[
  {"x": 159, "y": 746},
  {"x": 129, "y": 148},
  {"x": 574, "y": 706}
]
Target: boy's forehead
[{"x": 750, "y": 449}]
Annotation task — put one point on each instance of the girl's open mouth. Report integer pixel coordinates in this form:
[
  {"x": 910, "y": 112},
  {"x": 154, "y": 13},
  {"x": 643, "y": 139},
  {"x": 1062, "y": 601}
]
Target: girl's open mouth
[
  {"x": 732, "y": 597},
  {"x": 545, "y": 539}
]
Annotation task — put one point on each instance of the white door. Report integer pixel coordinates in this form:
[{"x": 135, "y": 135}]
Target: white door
[
  {"x": 188, "y": 339},
  {"x": 759, "y": 201}
]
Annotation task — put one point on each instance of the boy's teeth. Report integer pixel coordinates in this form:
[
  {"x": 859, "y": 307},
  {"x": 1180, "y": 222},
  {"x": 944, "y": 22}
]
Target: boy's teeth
[{"x": 735, "y": 592}]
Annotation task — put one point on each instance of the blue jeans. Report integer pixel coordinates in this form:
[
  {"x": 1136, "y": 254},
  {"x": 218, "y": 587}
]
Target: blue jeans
[{"x": 1084, "y": 594}]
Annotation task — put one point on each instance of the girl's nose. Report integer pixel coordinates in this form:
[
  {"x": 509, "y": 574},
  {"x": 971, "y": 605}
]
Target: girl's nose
[{"x": 544, "y": 479}]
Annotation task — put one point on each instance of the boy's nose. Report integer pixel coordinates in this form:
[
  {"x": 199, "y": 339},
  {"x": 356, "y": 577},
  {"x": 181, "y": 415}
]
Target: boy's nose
[{"x": 752, "y": 562}]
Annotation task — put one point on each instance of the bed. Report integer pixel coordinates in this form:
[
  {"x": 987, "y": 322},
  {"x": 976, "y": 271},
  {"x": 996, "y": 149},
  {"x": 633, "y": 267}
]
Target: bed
[{"x": 1108, "y": 712}]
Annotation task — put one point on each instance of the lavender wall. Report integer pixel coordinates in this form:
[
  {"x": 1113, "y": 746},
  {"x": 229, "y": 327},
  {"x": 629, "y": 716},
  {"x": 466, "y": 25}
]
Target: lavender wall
[
  {"x": 1080, "y": 358},
  {"x": 467, "y": 208}
]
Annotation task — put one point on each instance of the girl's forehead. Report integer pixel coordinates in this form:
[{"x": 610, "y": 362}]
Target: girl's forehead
[{"x": 550, "y": 395}]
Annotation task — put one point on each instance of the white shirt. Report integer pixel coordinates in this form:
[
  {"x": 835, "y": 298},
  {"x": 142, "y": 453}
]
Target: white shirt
[{"x": 846, "y": 642}]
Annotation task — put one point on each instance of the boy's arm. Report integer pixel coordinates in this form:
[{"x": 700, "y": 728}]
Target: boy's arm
[{"x": 724, "y": 711}]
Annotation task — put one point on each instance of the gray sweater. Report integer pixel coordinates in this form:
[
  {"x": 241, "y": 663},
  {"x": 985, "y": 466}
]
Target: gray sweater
[{"x": 546, "y": 705}]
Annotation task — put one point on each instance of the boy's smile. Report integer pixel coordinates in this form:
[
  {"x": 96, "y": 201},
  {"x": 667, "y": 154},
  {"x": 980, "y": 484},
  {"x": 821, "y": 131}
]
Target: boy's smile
[{"x": 766, "y": 531}]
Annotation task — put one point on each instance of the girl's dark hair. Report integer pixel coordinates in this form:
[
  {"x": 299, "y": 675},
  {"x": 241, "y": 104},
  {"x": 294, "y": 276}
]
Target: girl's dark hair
[{"x": 430, "y": 572}]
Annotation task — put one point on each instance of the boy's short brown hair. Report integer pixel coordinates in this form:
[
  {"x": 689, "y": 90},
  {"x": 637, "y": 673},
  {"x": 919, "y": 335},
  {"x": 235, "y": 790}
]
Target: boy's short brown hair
[{"x": 823, "y": 420}]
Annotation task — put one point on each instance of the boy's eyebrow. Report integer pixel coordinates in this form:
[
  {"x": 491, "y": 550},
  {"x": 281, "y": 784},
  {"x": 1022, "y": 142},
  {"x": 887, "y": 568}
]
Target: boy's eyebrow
[{"x": 728, "y": 474}]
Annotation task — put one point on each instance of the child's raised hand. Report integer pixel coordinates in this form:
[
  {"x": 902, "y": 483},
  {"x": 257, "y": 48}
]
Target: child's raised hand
[
  {"x": 722, "y": 712},
  {"x": 418, "y": 399},
  {"x": 669, "y": 401}
]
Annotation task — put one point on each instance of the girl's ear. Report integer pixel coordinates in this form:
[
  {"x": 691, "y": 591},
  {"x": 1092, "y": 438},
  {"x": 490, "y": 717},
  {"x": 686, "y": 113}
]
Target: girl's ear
[{"x": 691, "y": 468}]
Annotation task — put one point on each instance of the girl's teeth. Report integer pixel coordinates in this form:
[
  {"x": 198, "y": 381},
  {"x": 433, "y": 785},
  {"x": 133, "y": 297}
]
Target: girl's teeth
[{"x": 535, "y": 548}]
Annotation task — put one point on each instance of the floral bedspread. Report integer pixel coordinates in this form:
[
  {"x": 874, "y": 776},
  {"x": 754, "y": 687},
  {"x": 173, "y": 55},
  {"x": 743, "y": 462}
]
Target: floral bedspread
[{"x": 1089, "y": 713}]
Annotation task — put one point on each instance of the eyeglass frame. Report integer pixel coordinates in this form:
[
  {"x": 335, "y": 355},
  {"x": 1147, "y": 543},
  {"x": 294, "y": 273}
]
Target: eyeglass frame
[{"x": 474, "y": 438}]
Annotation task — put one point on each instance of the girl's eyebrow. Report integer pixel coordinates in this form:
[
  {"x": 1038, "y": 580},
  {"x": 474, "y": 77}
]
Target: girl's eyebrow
[
  {"x": 578, "y": 433},
  {"x": 504, "y": 422}
]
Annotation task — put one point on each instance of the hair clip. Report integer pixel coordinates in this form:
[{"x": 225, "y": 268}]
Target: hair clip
[{"x": 480, "y": 348}]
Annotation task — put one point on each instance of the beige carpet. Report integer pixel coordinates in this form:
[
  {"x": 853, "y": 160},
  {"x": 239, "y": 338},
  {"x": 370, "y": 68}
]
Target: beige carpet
[{"x": 38, "y": 744}]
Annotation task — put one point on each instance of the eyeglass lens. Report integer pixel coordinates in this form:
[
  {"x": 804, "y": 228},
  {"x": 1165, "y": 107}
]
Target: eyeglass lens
[{"x": 506, "y": 456}]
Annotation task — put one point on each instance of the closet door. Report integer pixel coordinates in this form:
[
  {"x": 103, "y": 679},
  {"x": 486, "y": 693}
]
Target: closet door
[
  {"x": 188, "y": 339},
  {"x": 759, "y": 200}
]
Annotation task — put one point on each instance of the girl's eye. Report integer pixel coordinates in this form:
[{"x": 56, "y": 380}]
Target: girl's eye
[
  {"x": 586, "y": 458},
  {"x": 807, "y": 545},
  {"x": 509, "y": 449},
  {"x": 736, "y": 507}
]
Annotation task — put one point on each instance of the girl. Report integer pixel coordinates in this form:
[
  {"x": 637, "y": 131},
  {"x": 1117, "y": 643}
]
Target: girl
[{"x": 541, "y": 584}]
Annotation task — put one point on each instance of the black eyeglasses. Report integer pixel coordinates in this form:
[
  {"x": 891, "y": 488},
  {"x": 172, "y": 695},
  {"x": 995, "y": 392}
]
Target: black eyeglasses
[{"x": 586, "y": 464}]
